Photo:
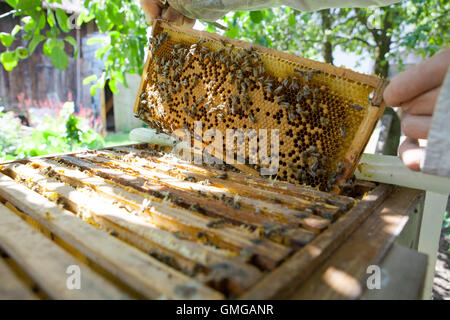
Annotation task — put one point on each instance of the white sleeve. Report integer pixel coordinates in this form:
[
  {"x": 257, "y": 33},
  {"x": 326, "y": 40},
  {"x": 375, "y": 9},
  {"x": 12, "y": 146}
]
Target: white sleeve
[
  {"x": 212, "y": 10},
  {"x": 437, "y": 155},
  {"x": 313, "y": 5}
]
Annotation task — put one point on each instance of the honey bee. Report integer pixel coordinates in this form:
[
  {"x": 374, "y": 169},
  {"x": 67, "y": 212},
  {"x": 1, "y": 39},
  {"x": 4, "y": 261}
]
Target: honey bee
[
  {"x": 278, "y": 90},
  {"x": 222, "y": 176},
  {"x": 268, "y": 89},
  {"x": 216, "y": 224},
  {"x": 196, "y": 78},
  {"x": 262, "y": 70},
  {"x": 356, "y": 106},
  {"x": 234, "y": 108},
  {"x": 286, "y": 81},
  {"x": 280, "y": 99},
  {"x": 343, "y": 132},
  {"x": 294, "y": 85},
  {"x": 301, "y": 73},
  {"x": 324, "y": 121}
]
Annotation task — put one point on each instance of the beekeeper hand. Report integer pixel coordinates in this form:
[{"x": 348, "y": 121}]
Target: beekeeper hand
[
  {"x": 158, "y": 9},
  {"x": 416, "y": 92}
]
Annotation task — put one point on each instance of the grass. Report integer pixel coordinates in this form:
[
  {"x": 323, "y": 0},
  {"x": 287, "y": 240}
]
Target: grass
[{"x": 117, "y": 139}]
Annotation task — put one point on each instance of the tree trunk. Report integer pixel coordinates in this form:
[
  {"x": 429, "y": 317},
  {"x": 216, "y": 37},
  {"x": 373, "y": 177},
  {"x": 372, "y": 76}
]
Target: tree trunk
[
  {"x": 327, "y": 47},
  {"x": 388, "y": 145},
  {"x": 383, "y": 40},
  {"x": 381, "y": 61}
]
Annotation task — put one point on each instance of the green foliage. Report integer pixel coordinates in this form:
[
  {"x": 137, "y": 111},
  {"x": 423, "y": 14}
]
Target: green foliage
[
  {"x": 446, "y": 224},
  {"x": 53, "y": 135},
  {"x": 385, "y": 34},
  {"x": 122, "y": 21},
  {"x": 418, "y": 26},
  {"x": 9, "y": 137}
]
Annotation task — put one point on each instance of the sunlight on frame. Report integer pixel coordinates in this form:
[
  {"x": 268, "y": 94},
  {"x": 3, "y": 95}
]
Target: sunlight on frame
[
  {"x": 393, "y": 222},
  {"x": 342, "y": 282}
]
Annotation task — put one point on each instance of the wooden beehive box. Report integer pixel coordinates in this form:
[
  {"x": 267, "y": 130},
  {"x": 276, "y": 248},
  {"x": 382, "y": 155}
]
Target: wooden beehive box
[
  {"x": 140, "y": 223},
  {"x": 325, "y": 114}
]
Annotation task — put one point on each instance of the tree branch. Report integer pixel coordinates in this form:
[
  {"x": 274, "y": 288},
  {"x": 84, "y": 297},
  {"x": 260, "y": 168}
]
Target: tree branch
[
  {"x": 367, "y": 43},
  {"x": 363, "y": 19}
]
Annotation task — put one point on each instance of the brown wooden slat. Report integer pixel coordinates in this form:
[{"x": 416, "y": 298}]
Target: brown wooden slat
[
  {"x": 188, "y": 256},
  {"x": 267, "y": 254},
  {"x": 274, "y": 214},
  {"x": 140, "y": 271},
  {"x": 366, "y": 246},
  {"x": 255, "y": 182},
  {"x": 280, "y": 282},
  {"x": 249, "y": 196},
  {"x": 47, "y": 263}
]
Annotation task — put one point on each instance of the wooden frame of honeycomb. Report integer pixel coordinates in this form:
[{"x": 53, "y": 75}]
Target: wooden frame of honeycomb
[
  {"x": 325, "y": 114},
  {"x": 141, "y": 223}
]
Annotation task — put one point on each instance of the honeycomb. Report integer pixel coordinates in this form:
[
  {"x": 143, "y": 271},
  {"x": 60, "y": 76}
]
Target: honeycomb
[{"x": 324, "y": 114}]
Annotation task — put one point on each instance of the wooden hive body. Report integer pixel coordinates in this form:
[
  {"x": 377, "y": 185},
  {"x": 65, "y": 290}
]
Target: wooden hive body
[
  {"x": 325, "y": 114},
  {"x": 141, "y": 223}
]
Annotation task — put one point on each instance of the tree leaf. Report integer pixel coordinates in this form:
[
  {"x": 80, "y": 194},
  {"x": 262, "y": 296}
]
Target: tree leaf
[
  {"x": 37, "y": 38},
  {"x": 59, "y": 58},
  {"x": 291, "y": 20},
  {"x": 50, "y": 18},
  {"x": 73, "y": 42},
  {"x": 63, "y": 21},
  {"x": 89, "y": 79},
  {"x": 27, "y": 4},
  {"x": 9, "y": 60},
  {"x": 16, "y": 30},
  {"x": 6, "y": 39},
  {"x": 22, "y": 53},
  {"x": 256, "y": 16}
]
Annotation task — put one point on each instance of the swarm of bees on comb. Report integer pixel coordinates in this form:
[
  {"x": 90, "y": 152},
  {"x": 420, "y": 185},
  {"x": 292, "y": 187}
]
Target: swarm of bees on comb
[{"x": 324, "y": 120}]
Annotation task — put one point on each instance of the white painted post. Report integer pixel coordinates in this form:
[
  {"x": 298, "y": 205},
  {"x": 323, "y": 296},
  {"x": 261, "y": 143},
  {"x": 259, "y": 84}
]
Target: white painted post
[
  {"x": 389, "y": 169},
  {"x": 430, "y": 230}
]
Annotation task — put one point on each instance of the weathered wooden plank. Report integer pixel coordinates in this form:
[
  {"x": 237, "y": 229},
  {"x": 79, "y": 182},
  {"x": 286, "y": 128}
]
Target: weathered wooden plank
[
  {"x": 266, "y": 253},
  {"x": 281, "y": 282},
  {"x": 343, "y": 275},
  {"x": 403, "y": 276},
  {"x": 244, "y": 213},
  {"x": 178, "y": 253},
  {"x": 138, "y": 270},
  {"x": 12, "y": 288},
  {"x": 261, "y": 214},
  {"x": 46, "y": 263}
]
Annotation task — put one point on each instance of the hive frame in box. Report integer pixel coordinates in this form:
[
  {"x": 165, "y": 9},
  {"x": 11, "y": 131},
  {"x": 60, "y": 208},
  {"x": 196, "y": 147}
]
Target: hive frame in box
[
  {"x": 365, "y": 128},
  {"x": 58, "y": 223}
]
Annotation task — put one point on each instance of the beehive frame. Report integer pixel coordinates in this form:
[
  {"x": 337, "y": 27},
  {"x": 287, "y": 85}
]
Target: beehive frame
[{"x": 332, "y": 120}]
